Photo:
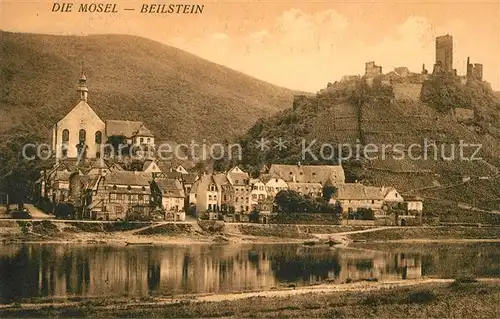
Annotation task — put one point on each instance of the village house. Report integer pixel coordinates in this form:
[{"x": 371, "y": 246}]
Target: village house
[
  {"x": 311, "y": 189},
  {"x": 206, "y": 193},
  {"x": 258, "y": 192},
  {"x": 353, "y": 196},
  {"x": 273, "y": 183},
  {"x": 225, "y": 194},
  {"x": 168, "y": 194},
  {"x": 121, "y": 195},
  {"x": 82, "y": 133},
  {"x": 412, "y": 211},
  {"x": 265, "y": 209},
  {"x": 239, "y": 181},
  {"x": 54, "y": 184}
]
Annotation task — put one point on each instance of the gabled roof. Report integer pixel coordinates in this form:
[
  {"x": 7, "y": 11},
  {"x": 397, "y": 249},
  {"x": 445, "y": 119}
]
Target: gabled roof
[
  {"x": 128, "y": 178},
  {"x": 144, "y": 131},
  {"x": 267, "y": 177},
  {"x": 236, "y": 176},
  {"x": 115, "y": 167},
  {"x": 189, "y": 178},
  {"x": 309, "y": 173},
  {"x": 221, "y": 179},
  {"x": 122, "y": 128},
  {"x": 358, "y": 191},
  {"x": 170, "y": 187},
  {"x": 174, "y": 175},
  {"x": 151, "y": 166},
  {"x": 82, "y": 109}
]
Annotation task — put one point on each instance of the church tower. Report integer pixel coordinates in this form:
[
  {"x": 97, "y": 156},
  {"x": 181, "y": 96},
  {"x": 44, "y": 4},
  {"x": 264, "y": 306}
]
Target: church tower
[{"x": 82, "y": 90}]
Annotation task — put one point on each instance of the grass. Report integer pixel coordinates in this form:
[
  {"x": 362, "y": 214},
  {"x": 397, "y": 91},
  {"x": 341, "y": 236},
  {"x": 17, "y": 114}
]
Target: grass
[{"x": 473, "y": 300}]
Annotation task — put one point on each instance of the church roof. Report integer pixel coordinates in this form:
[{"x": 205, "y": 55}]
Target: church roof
[
  {"x": 81, "y": 110},
  {"x": 144, "y": 131},
  {"x": 122, "y": 128}
]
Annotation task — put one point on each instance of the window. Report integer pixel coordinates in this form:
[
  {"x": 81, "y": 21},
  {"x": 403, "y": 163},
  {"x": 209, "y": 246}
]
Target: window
[
  {"x": 119, "y": 197},
  {"x": 373, "y": 202},
  {"x": 209, "y": 206},
  {"x": 142, "y": 140},
  {"x": 82, "y": 135},
  {"x": 112, "y": 197},
  {"x": 65, "y": 135},
  {"x": 98, "y": 137},
  {"x": 225, "y": 197},
  {"x": 148, "y": 140},
  {"x": 143, "y": 188},
  {"x": 209, "y": 197},
  {"x": 98, "y": 154},
  {"x": 254, "y": 196},
  {"x": 141, "y": 198},
  {"x": 65, "y": 152},
  {"x": 128, "y": 187}
]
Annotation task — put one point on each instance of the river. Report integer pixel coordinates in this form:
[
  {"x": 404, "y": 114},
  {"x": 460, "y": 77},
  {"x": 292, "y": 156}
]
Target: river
[{"x": 68, "y": 270}]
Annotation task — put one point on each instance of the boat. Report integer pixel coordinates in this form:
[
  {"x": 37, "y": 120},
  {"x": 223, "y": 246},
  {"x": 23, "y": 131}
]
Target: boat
[{"x": 138, "y": 243}]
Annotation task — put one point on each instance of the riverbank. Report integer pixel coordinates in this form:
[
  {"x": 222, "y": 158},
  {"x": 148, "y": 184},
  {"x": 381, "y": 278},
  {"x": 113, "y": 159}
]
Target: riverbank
[
  {"x": 219, "y": 232},
  {"x": 437, "y": 298}
]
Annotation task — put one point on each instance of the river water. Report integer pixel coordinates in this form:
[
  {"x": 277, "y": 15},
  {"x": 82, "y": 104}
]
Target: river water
[{"x": 65, "y": 271}]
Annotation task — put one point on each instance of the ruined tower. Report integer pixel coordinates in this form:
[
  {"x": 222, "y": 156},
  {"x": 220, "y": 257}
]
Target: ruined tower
[{"x": 444, "y": 54}]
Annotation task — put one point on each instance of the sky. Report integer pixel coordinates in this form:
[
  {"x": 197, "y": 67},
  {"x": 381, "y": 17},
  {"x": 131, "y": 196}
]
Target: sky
[{"x": 300, "y": 45}]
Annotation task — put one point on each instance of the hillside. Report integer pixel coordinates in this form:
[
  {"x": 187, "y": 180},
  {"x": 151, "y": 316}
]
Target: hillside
[
  {"x": 358, "y": 115},
  {"x": 180, "y": 96}
]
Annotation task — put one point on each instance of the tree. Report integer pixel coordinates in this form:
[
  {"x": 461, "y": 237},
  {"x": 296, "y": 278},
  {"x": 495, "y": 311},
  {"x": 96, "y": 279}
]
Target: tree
[
  {"x": 254, "y": 215},
  {"x": 328, "y": 190},
  {"x": 117, "y": 145}
]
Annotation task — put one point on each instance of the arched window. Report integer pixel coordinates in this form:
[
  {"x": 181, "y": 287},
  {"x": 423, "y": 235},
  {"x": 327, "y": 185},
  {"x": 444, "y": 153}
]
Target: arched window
[
  {"x": 98, "y": 137},
  {"x": 65, "y": 135},
  {"x": 82, "y": 136}
]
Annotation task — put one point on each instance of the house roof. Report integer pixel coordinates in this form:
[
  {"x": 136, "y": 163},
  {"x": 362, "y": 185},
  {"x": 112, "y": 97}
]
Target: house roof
[
  {"x": 267, "y": 177},
  {"x": 144, "y": 131},
  {"x": 221, "y": 179},
  {"x": 237, "y": 177},
  {"x": 62, "y": 175},
  {"x": 125, "y": 128},
  {"x": 170, "y": 187},
  {"x": 128, "y": 178},
  {"x": 173, "y": 175},
  {"x": 309, "y": 173},
  {"x": 189, "y": 178},
  {"x": 358, "y": 191},
  {"x": 115, "y": 167}
]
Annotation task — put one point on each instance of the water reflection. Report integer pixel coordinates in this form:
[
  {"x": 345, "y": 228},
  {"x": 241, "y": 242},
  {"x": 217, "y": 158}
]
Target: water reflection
[{"x": 36, "y": 270}]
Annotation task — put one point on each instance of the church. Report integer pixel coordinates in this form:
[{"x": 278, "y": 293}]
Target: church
[{"x": 82, "y": 133}]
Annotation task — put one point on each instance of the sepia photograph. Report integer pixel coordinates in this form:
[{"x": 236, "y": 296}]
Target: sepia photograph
[{"x": 250, "y": 159}]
